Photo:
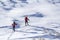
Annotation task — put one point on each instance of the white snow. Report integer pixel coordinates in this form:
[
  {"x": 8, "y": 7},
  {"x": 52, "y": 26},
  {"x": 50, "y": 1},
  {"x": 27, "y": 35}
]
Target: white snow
[{"x": 43, "y": 27}]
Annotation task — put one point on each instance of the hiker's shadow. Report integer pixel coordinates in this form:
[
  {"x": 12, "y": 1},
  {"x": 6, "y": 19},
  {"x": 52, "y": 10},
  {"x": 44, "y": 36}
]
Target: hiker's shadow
[{"x": 36, "y": 26}]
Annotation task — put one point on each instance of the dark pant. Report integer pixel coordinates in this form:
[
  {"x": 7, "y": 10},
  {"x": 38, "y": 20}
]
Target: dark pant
[
  {"x": 26, "y": 23},
  {"x": 13, "y": 28}
]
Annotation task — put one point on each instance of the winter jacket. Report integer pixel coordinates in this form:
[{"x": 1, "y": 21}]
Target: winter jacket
[
  {"x": 14, "y": 24},
  {"x": 26, "y": 19}
]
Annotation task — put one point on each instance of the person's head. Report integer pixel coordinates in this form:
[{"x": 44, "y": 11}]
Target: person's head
[{"x": 14, "y": 22}]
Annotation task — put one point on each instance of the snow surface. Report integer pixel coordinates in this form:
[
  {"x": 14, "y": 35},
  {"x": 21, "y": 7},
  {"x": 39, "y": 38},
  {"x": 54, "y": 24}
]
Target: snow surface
[{"x": 39, "y": 28}]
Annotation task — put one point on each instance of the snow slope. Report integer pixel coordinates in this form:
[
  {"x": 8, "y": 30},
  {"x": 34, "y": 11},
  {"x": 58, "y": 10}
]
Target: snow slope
[{"x": 47, "y": 27}]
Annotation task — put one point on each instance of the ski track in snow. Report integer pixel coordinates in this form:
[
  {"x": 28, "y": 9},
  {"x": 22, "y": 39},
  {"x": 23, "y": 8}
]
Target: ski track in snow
[
  {"x": 34, "y": 31},
  {"x": 44, "y": 20}
]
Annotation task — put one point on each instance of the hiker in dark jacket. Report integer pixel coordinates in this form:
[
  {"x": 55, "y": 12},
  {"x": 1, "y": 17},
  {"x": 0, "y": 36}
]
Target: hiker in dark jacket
[
  {"x": 26, "y": 21},
  {"x": 14, "y": 25}
]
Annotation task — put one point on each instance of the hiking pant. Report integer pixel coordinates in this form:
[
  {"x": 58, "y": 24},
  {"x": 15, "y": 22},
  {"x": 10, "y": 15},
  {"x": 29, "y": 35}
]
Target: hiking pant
[
  {"x": 26, "y": 23},
  {"x": 13, "y": 28}
]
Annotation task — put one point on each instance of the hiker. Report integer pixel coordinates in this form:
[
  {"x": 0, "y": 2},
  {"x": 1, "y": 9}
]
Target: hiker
[
  {"x": 14, "y": 25},
  {"x": 26, "y": 21}
]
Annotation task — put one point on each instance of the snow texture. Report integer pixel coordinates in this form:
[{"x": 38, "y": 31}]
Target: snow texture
[{"x": 44, "y": 23}]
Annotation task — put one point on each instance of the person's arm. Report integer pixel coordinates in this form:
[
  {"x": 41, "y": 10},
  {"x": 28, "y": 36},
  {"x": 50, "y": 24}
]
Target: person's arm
[
  {"x": 28, "y": 20},
  {"x": 15, "y": 23}
]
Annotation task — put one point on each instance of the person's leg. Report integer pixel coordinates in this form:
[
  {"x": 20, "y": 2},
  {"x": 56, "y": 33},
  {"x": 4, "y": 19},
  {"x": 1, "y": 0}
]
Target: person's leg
[
  {"x": 25, "y": 23},
  {"x": 14, "y": 29}
]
